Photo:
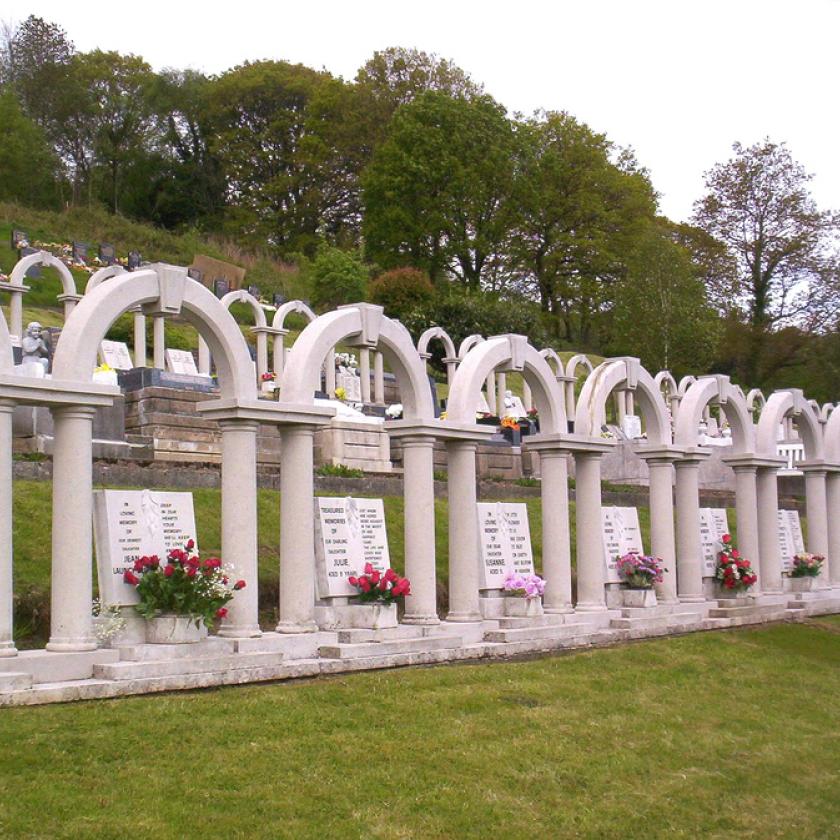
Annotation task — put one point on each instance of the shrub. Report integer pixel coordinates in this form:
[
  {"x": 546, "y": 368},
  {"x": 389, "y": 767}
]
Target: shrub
[
  {"x": 338, "y": 277},
  {"x": 402, "y": 291}
]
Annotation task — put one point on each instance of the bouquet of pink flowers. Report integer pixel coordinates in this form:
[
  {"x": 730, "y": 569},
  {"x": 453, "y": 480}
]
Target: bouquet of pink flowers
[
  {"x": 523, "y": 586},
  {"x": 640, "y": 571}
]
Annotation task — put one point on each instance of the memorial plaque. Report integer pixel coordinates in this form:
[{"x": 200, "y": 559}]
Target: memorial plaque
[
  {"x": 134, "y": 260},
  {"x": 128, "y": 524},
  {"x": 220, "y": 287},
  {"x": 713, "y": 525},
  {"x": 631, "y": 425},
  {"x": 351, "y": 383},
  {"x": 348, "y": 533},
  {"x": 790, "y": 537},
  {"x": 180, "y": 361},
  {"x": 505, "y": 542},
  {"x": 620, "y": 534},
  {"x": 115, "y": 354},
  {"x": 107, "y": 253},
  {"x": 80, "y": 252}
]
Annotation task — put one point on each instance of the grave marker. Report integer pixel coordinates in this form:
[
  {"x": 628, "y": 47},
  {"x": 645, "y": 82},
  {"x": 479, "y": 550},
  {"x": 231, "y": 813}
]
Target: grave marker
[
  {"x": 620, "y": 534},
  {"x": 348, "y": 533},
  {"x": 134, "y": 260},
  {"x": 220, "y": 287},
  {"x": 180, "y": 361},
  {"x": 713, "y": 525},
  {"x": 254, "y": 291},
  {"x": 80, "y": 252},
  {"x": 34, "y": 271},
  {"x": 115, "y": 354},
  {"x": 128, "y": 524},
  {"x": 790, "y": 537},
  {"x": 19, "y": 239},
  {"x": 279, "y": 299},
  {"x": 504, "y": 541},
  {"x": 107, "y": 253}
]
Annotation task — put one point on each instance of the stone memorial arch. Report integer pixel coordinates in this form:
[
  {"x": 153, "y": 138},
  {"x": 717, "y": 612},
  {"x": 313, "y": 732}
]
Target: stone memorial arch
[
  {"x": 280, "y": 331},
  {"x": 670, "y": 392},
  {"x": 744, "y": 461},
  {"x": 365, "y": 326},
  {"x": 781, "y": 407},
  {"x": 623, "y": 374},
  {"x": 161, "y": 291},
  {"x": 260, "y": 329},
  {"x": 16, "y": 288},
  {"x": 100, "y": 276},
  {"x": 512, "y": 353},
  {"x": 450, "y": 358},
  {"x": 556, "y": 365},
  {"x": 490, "y": 385}
]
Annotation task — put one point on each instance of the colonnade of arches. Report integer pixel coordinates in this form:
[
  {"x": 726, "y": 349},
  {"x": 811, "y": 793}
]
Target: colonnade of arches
[{"x": 570, "y": 427}]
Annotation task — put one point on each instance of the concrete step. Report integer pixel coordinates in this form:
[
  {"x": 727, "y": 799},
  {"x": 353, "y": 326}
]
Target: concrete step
[
  {"x": 514, "y": 623},
  {"x": 526, "y": 634},
  {"x": 214, "y": 646},
  {"x": 358, "y": 635},
  {"x": 55, "y": 666},
  {"x": 684, "y": 619},
  {"x": 181, "y": 666},
  {"x": 734, "y": 612},
  {"x": 362, "y": 649},
  {"x": 15, "y": 681},
  {"x": 653, "y": 622}
]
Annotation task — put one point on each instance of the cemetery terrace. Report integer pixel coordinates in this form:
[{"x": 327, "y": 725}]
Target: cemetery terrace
[{"x": 353, "y": 389}]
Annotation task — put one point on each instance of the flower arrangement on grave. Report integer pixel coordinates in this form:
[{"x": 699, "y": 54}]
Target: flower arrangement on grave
[
  {"x": 394, "y": 412},
  {"x": 640, "y": 571},
  {"x": 103, "y": 368},
  {"x": 108, "y": 621},
  {"x": 806, "y": 565},
  {"x": 734, "y": 573},
  {"x": 510, "y": 423},
  {"x": 375, "y": 587},
  {"x": 533, "y": 414},
  {"x": 523, "y": 586},
  {"x": 347, "y": 360},
  {"x": 268, "y": 376},
  {"x": 340, "y": 394},
  {"x": 185, "y": 585}
]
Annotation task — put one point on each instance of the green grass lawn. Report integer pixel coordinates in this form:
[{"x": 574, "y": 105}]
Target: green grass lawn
[{"x": 725, "y": 735}]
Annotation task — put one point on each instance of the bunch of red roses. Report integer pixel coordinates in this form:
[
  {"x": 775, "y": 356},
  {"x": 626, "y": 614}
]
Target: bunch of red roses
[
  {"x": 381, "y": 587},
  {"x": 733, "y": 571},
  {"x": 184, "y": 585}
]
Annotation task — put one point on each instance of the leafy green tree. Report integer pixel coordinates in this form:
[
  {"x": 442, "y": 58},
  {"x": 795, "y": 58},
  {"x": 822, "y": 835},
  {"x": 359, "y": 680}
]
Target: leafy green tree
[
  {"x": 337, "y": 277},
  {"x": 758, "y": 205},
  {"x": 661, "y": 312},
  {"x": 578, "y": 215},
  {"x": 27, "y": 163},
  {"x": 436, "y": 194},
  {"x": 402, "y": 291}
]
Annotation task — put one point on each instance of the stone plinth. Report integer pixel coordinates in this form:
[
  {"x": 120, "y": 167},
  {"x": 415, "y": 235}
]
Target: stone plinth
[{"x": 361, "y": 446}]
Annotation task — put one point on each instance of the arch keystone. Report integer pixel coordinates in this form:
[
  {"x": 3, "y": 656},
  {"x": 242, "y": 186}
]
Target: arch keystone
[
  {"x": 371, "y": 317},
  {"x": 172, "y": 281}
]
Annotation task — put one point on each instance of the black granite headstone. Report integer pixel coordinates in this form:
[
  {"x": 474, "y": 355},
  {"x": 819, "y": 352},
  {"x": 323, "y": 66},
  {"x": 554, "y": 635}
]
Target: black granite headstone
[
  {"x": 80, "y": 252},
  {"x": 220, "y": 287},
  {"x": 195, "y": 274},
  {"x": 254, "y": 291},
  {"x": 279, "y": 299},
  {"x": 19, "y": 237},
  {"x": 133, "y": 260},
  {"x": 34, "y": 271},
  {"x": 107, "y": 253}
]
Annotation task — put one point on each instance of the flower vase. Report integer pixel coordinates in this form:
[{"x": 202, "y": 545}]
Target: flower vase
[
  {"x": 170, "y": 629},
  {"x": 639, "y": 597},
  {"x": 373, "y": 615},
  {"x": 519, "y": 607},
  {"x": 802, "y": 584}
]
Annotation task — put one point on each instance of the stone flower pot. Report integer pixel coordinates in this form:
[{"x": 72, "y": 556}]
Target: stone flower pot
[
  {"x": 374, "y": 616},
  {"x": 171, "y": 629},
  {"x": 638, "y": 597},
  {"x": 519, "y": 607},
  {"x": 803, "y": 584}
]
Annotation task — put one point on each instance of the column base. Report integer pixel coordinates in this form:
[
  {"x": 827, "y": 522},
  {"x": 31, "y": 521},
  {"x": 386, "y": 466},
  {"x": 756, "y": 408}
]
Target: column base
[
  {"x": 563, "y": 609},
  {"x": 692, "y": 599},
  {"x": 427, "y": 620},
  {"x": 590, "y": 607},
  {"x": 71, "y": 645},
  {"x": 8, "y": 649},
  {"x": 296, "y": 627},
  {"x": 245, "y": 631},
  {"x": 464, "y": 617}
]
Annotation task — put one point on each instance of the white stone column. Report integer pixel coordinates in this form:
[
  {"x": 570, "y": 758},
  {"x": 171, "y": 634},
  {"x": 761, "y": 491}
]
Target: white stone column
[
  {"x": 689, "y": 550},
  {"x": 7, "y": 644},
  {"x": 16, "y": 312},
  {"x": 527, "y": 396},
  {"x": 297, "y": 535},
  {"x": 832, "y": 491},
  {"x": 419, "y": 524},
  {"x": 239, "y": 524},
  {"x": 501, "y": 387},
  {"x": 329, "y": 374},
  {"x": 378, "y": 378},
  {"x": 631, "y": 403},
  {"x": 569, "y": 390},
  {"x": 278, "y": 352},
  {"x": 746, "y": 513},
  {"x": 140, "y": 339},
  {"x": 72, "y": 530},
  {"x": 262, "y": 353},
  {"x": 491, "y": 393},
  {"x": 816, "y": 511},
  {"x": 204, "y": 360},
  {"x": 451, "y": 367},
  {"x": 621, "y": 406},
  {"x": 770, "y": 561},
  {"x": 159, "y": 341},
  {"x": 556, "y": 553},
  {"x": 463, "y": 532},
  {"x": 662, "y": 543},
  {"x": 364, "y": 373},
  {"x": 69, "y": 302},
  {"x": 590, "y": 547}
]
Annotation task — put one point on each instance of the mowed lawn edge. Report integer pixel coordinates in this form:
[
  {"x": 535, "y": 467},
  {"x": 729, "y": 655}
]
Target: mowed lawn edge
[{"x": 724, "y": 734}]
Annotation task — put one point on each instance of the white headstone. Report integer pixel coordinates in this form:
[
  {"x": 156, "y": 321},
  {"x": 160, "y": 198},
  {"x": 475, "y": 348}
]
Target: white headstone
[
  {"x": 621, "y": 534},
  {"x": 348, "y": 533},
  {"x": 180, "y": 361},
  {"x": 352, "y": 385},
  {"x": 513, "y": 406},
  {"x": 631, "y": 425},
  {"x": 115, "y": 354},
  {"x": 505, "y": 542},
  {"x": 128, "y": 524},
  {"x": 713, "y": 525},
  {"x": 790, "y": 537}
]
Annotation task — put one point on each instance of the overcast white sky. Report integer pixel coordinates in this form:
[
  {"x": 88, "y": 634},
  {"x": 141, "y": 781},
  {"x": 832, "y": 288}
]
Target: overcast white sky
[{"x": 677, "y": 81}]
